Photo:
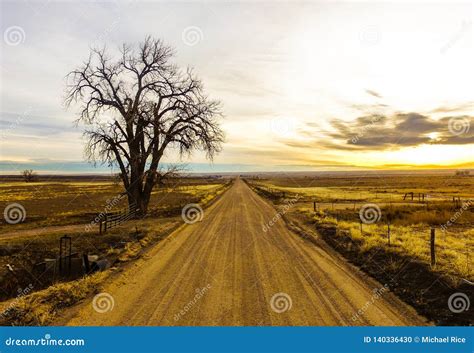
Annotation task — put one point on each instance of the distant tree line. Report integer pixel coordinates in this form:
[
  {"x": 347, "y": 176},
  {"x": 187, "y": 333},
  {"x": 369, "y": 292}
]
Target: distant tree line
[{"x": 462, "y": 172}]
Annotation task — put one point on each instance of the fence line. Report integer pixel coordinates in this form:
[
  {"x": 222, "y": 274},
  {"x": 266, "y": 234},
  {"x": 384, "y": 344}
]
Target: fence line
[
  {"x": 114, "y": 219},
  {"x": 428, "y": 232}
]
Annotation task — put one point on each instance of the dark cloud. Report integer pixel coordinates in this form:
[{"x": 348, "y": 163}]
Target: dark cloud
[
  {"x": 379, "y": 132},
  {"x": 416, "y": 123}
]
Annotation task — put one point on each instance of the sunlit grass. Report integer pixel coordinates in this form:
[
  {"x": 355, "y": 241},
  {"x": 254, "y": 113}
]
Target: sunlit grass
[
  {"x": 72, "y": 202},
  {"x": 339, "y": 201}
]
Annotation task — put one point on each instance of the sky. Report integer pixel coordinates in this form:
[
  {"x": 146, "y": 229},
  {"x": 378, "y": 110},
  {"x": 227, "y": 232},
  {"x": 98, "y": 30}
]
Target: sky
[{"x": 304, "y": 85}]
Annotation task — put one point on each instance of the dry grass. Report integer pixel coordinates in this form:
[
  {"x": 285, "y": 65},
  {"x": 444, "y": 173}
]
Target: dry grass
[
  {"x": 339, "y": 201},
  {"x": 405, "y": 264},
  {"x": 40, "y": 308},
  {"x": 384, "y": 188},
  {"x": 118, "y": 245},
  {"x": 72, "y": 202},
  {"x": 453, "y": 248}
]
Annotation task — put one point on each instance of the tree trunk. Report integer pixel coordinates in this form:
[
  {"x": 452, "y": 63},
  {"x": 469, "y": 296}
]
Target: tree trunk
[
  {"x": 139, "y": 196},
  {"x": 138, "y": 201}
]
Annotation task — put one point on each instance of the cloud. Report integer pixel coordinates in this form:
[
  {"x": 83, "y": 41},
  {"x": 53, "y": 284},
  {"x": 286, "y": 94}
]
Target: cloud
[
  {"x": 380, "y": 132},
  {"x": 373, "y": 93},
  {"x": 415, "y": 123},
  {"x": 28, "y": 124},
  {"x": 469, "y": 106}
]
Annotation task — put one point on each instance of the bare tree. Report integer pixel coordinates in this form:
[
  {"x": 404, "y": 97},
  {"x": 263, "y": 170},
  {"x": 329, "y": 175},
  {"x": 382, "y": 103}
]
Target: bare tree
[
  {"x": 137, "y": 107},
  {"x": 28, "y": 175}
]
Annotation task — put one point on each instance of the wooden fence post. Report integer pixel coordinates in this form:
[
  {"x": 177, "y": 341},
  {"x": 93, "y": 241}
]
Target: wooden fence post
[
  {"x": 361, "y": 231},
  {"x": 314, "y": 206},
  {"x": 105, "y": 223},
  {"x": 432, "y": 247}
]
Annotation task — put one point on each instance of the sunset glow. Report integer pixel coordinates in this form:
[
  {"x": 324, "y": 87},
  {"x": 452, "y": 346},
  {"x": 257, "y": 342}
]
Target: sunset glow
[{"x": 293, "y": 74}]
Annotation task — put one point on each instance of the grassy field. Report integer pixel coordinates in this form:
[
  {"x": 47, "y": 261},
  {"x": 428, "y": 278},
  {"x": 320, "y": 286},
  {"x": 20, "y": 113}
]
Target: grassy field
[
  {"x": 63, "y": 202},
  {"x": 393, "y": 245},
  {"x": 55, "y": 208},
  {"x": 391, "y": 242},
  {"x": 339, "y": 201}
]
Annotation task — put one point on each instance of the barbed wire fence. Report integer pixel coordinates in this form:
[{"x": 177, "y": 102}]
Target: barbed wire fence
[{"x": 434, "y": 239}]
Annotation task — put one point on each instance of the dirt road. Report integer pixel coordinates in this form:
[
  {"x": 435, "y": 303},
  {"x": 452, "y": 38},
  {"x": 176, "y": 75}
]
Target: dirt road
[
  {"x": 35, "y": 232},
  {"x": 226, "y": 269}
]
